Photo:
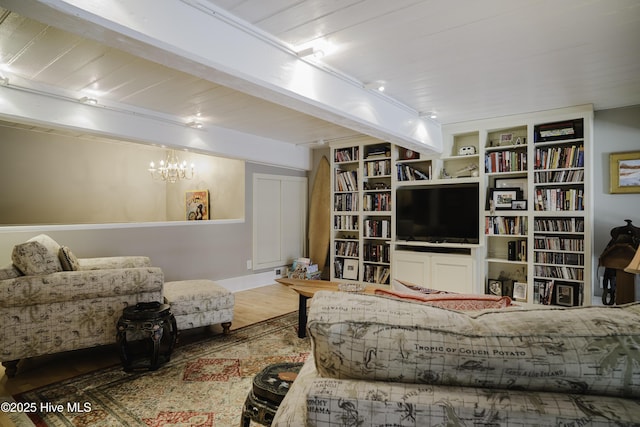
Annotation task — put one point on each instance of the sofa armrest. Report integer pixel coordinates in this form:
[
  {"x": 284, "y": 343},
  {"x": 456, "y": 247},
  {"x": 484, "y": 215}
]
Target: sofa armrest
[
  {"x": 114, "y": 262},
  {"x": 79, "y": 285}
]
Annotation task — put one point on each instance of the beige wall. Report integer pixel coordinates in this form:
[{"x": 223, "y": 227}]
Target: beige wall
[{"x": 56, "y": 179}]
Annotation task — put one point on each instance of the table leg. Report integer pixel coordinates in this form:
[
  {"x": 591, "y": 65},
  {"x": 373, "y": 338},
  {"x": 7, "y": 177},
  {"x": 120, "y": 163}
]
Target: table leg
[{"x": 302, "y": 316}]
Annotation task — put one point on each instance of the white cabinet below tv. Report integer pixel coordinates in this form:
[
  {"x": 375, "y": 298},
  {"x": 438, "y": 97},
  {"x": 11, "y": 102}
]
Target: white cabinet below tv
[{"x": 442, "y": 271}]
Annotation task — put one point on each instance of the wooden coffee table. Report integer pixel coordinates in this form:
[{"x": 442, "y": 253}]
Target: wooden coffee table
[{"x": 307, "y": 289}]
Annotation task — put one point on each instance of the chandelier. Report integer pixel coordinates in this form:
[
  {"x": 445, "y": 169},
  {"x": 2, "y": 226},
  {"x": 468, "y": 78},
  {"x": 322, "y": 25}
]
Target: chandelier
[{"x": 171, "y": 169}]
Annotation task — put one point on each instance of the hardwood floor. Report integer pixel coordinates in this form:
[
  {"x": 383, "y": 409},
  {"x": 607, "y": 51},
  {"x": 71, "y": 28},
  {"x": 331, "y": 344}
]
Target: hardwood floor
[{"x": 251, "y": 306}]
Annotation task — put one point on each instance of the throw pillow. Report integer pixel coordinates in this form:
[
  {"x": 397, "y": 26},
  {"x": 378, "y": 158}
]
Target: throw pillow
[
  {"x": 33, "y": 258},
  {"x": 452, "y": 301},
  {"x": 52, "y": 246},
  {"x": 9, "y": 272},
  {"x": 68, "y": 260}
]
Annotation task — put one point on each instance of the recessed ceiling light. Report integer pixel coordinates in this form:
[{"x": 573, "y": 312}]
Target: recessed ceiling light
[
  {"x": 4, "y": 81},
  {"x": 195, "y": 125},
  {"x": 87, "y": 100},
  {"x": 429, "y": 114},
  {"x": 379, "y": 86}
]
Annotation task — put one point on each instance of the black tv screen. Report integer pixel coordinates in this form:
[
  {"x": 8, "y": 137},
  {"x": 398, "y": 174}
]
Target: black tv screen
[{"x": 438, "y": 214}]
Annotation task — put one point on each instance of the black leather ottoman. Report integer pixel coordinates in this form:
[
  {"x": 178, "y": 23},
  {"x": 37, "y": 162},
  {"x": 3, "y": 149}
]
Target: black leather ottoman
[{"x": 269, "y": 388}]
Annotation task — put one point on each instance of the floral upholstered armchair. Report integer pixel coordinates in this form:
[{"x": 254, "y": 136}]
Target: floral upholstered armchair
[{"x": 51, "y": 301}]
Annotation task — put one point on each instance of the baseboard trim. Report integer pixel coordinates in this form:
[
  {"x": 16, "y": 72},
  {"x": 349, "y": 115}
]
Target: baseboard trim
[{"x": 250, "y": 281}]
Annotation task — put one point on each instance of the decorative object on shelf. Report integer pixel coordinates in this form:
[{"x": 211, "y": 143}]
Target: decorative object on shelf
[
  {"x": 519, "y": 183},
  {"x": 171, "y": 169},
  {"x": 520, "y": 291},
  {"x": 625, "y": 172},
  {"x": 506, "y": 139},
  {"x": 567, "y": 294},
  {"x": 494, "y": 287},
  {"x": 467, "y": 150},
  {"x": 350, "y": 269},
  {"x": 519, "y": 205},
  {"x": 197, "y": 205},
  {"x": 502, "y": 197},
  {"x": 521, "y": 140},
  {"x": 407, "y": 154},
  {"x": 469, "y": 170}
]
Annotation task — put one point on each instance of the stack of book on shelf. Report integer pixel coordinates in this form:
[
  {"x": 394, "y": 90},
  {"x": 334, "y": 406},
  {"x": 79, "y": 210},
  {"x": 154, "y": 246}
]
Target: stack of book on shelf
[
  {"x": 561, "y": 176},
  {"x": 378, "y": 168},
  {"x": 347, "y": 249},
  {"x": 505, "y": 161},
  {"x": 345, "y": 202},
  {"x": 378, "y": 151},
  {"x": 558, "y": 199},
  {"x": 377, "y": 228},
  {"x": 346, "y": 180},
  {"x": 376, "y": 252},
  {"x": 408, "y": 173},
  {"x": 376, "y": 274},
  {"x": 346, "y": 155},
  {"x": 302, "y": 268},
  {"x": 564, "y": 225},
  {"x": 377, "y": 202},
  {"x": 559, "y": 157},
  {"x": 497, "y": 225}
]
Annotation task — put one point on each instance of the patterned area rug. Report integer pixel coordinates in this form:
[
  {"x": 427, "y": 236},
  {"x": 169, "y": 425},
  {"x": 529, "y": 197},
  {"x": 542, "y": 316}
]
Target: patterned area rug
[{"x": 204, "y": 384}]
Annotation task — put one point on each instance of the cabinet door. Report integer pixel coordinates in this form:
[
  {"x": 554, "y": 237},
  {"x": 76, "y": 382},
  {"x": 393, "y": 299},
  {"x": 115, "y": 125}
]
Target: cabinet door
[
  {"x": 411, "y": 267},
  {"x": 452, "y": 273}
]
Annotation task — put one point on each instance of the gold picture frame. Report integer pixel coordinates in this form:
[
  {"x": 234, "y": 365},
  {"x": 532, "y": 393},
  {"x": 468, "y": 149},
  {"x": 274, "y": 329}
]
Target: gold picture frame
[
  {"x": 624, "y": 169},
  {"x": 197, "y": 205}
]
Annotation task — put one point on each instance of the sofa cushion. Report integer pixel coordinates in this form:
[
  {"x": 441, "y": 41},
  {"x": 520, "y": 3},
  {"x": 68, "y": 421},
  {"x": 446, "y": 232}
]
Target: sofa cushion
[
  {"x": 33, "y": 258},
  {"x": 451, "y": 301},
  {"x": 590, "y": 350},
  {"x": 68, "y": 260},
  {"x": 9, "y": 272}
]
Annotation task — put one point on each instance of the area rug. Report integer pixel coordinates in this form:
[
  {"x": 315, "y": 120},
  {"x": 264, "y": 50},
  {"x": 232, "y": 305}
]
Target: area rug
[{"x": 204, "y": 384}]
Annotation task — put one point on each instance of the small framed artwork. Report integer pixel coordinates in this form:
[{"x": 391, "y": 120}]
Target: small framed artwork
[
  {"x": 567, "y": 294},
  {"x": 197, "y": 205},
  {"x": 625, "y": 172},
  {"x": 494, "y": 287},
  {"x": 519, "y": 291},
  {"x": 519, "y": 183},
  {"x": 518, "y": 205},
  {"x": 501, "y": 197},
  {"x": 506, "y": 139},
  {"x": 350, "y": 269}
]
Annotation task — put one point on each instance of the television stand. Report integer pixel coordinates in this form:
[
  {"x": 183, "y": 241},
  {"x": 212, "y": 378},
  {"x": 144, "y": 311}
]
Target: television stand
[{"x": 443, "y": 266}]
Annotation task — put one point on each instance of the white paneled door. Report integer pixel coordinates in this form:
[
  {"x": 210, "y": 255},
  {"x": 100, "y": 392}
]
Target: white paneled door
[{"x": 279, "y": 220}]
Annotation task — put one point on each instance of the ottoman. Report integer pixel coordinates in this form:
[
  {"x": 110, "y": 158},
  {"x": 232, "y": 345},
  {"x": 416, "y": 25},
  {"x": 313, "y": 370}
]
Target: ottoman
[{"x": 196, "y": 303}]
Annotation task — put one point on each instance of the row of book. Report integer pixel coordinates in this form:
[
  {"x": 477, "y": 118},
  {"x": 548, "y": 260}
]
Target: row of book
[
  {"x": 347, "y": 249},
  {"x": 346, "y": 180},
  {"x": 558, "y": 244},
  {"x": 559, "y": 157},
  {"x": 345, "y": 222},
  {"x": 409, "y": 173},
  {"x": 377, "y": 228},
  {"x": 376, "y": 274},
  {"x": 564, "y": 225},
  {"x": 377, "y": 168},
  {"x": 378, "y": 202},
  {"x": 559, "y": 199},
  {"x": 559, "y": 258},
  {"x": 345, "y": 202},
  {"x": 374, "y": 252},
  {"x": 559, "y": 272},
  {"x": 505, "y": 161},
  {"x": 572, "y": 175},
  {"x": 498, "y": 225},
  {"x": 350, "y": 154}
]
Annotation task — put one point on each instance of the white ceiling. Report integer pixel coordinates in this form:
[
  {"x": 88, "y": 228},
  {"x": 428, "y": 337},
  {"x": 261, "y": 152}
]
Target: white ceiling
[{"x": 463, "y": 59}]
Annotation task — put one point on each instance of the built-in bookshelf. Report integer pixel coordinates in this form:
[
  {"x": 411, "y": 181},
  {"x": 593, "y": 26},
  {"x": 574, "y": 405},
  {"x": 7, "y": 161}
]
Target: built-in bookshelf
[{"x": 536, "y": 220}]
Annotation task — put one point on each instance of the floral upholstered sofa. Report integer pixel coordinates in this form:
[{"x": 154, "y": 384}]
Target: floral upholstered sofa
[
  {"x": 51, "y": 301},
  {"x": 381, "y": 361}
]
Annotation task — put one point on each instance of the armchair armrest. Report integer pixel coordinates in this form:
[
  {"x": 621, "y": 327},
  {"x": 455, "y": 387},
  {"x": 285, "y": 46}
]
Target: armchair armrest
[
  {"x": 114, "y": 262},
  {"x": 79, "y": 285}
]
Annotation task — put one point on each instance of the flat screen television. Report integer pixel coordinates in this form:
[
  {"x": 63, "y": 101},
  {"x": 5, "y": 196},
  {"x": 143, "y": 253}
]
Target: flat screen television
[{"x": 438, "y": 214}]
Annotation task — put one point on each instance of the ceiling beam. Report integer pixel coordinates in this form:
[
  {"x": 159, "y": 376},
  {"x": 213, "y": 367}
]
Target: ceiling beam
[{"x": 195, "y": 37}]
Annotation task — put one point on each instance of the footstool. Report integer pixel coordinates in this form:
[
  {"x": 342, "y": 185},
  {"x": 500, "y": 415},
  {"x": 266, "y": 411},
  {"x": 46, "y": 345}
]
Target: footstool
[
  {"x": 270, "y": 386},
  {"x": 196, "y": 303}
]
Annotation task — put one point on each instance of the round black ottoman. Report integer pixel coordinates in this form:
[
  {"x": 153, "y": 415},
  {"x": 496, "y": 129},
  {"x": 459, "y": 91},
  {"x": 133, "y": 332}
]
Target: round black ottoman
[{"x": 146, "y": 335}]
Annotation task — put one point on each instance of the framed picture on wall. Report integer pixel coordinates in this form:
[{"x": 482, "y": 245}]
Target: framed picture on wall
[
  {"x": 625, "y": 172},
  {"x": 197, "y": 205},
  {"x": 502, "y": 197}
]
